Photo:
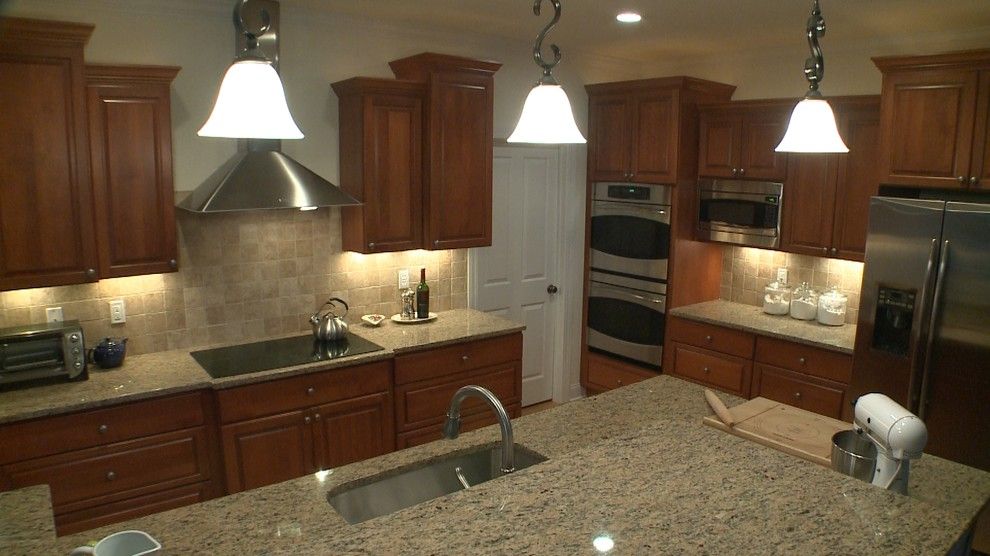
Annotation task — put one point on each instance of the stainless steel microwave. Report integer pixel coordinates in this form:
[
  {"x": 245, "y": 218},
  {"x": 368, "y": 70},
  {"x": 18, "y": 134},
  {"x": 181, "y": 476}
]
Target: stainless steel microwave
[
  {"x": 42, "y": 351},
  {"x": 740, "y": 212}
]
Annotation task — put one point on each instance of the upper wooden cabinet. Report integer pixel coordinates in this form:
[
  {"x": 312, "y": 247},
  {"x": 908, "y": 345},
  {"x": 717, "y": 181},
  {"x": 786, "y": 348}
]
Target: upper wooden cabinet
[
  {"x": 635, "y": 127},
  {"x": 827, "y": 196},
  {"x": 934, "y": 120},
  {"x": 458, "y": 145},
  {"x": 46, "y": 224},
  {"x": 381, "y": 163},
  {"x": 130, "y": 131},
  {"x": 737, "y": 140}
]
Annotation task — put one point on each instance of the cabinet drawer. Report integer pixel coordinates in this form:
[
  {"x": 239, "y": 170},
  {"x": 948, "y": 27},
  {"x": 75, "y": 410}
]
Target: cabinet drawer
[
  {"x": 53, "y": 435},
  {"x": 115, "y": 512},
  {"x": 607, "y": 374},
  {"x": 279, "y": 396},
  {"x": 468, "y": 423},
  {"x": 804, "y": 359},
  {"x": 716, "y": 338},
  {"x": 91, "y": 477},
  {"x": 801, "y": 391},
  {"x": 457, "y": 358},
  {"x": 426, "y": 403},
  {"x": 713, "y": 369}
]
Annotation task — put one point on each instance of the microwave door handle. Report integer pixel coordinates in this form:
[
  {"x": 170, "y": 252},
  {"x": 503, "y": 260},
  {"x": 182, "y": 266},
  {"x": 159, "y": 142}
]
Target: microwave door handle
[
  {"x": 932, "y": 324},
  {"x": 914, "y": 383}
]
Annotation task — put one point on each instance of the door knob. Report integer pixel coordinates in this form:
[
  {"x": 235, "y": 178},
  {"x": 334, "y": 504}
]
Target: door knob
[{"x": 551, "y": 289}]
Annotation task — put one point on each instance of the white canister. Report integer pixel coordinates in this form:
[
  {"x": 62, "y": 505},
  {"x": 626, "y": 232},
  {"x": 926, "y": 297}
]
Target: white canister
[
  {"x": 804, "y": 302},
  {"x": 776, "y": 298},
  {"x": 832, "y": 307}
]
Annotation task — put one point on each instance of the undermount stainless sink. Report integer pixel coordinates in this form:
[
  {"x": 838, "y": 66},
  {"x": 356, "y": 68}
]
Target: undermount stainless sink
[{"x": 391, "y": 492}]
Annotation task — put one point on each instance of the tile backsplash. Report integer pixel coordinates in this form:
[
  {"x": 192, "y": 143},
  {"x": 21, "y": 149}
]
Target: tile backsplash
[
  {"x": 747, "y": 270},
  {"x": 244, "y": 276}
]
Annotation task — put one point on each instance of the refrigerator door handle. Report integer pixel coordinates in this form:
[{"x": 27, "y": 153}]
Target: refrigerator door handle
[
  {"x": 919, "y": 353},
  {"x": 932, "y": 323}
]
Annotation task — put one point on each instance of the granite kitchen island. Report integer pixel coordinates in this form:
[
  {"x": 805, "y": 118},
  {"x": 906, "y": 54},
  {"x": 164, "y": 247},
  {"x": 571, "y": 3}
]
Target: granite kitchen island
[{"x": 635, "y": 465}]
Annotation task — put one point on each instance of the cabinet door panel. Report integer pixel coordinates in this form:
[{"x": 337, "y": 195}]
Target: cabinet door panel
[
  {"x": 654, "y": 145},
  {"x": 857, "y": 180},
  {"x": 115, "y": 512},
  {"x": 130, "y": 136},
  {"x": 809, "y": 202},
  {"x": 267, "y": 450},
  {"x": 794, "y": 389},
  {"x": 718, "y": 147},
  {"x": 425, "y": 403},
  {"x": 609, "y": 137},
  {"x": 762, "y": 131},
  {"x": 46, "y": 231},
  {"x": 724, "y": 372},
  {"x": 353, "y": 430},
  {"x": 468, "y": 423},
  {"x": 927, "y": 124}
]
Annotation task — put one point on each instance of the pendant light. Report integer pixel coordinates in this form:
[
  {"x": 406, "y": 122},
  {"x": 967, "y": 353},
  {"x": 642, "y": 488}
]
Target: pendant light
[
  {"x": 812, "y": 127},
  {"x": 251, "y": 102},
  {"x": 546, "y": 115}
]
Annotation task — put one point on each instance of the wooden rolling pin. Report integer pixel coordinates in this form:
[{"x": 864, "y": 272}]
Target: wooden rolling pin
[{"x": 719, "y": 408}]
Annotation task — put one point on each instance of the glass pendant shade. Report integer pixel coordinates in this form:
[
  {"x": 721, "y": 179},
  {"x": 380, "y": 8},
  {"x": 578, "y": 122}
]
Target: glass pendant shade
[
  {"x": 251, "y": 105},
  {"x": 812, "y": 129},
  {"x": 546, "y": 118}
]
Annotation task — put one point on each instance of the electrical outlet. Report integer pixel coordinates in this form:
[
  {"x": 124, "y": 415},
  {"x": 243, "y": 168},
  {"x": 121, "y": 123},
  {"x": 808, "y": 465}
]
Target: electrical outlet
[
  {"x": 403, "y": 278},
  {"x": 782, "y": 275},
  {"x": 118, "y": 313},
  {"x": 54, "y": 314}
]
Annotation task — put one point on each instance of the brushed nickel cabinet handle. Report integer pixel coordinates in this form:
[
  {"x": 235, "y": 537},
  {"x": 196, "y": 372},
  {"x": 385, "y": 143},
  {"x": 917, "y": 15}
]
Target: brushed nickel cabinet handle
[
  {"x": 961, "y": 179},
  {"x": 307, "y": 420},
  {"x": 102, "y": 429},
  {"x": 371, "y": 245},
  {"x": 708, "y": 338},
  {"x": 742, "y": 171},
  {"x": 464, "y": 358},
  {"x": 802, "y": 360},
  {"x": 310, "y": 391},
  {"x": 316, "y": 416},
  {"x": 973, "y": 180},
  {"x": 706, "y": 370},
  {"x": 90, "y": 273},
  {"x": 436, "y": 243},
  {"x": 111, "y": 475},
  {"x": 619, "y": 381},
  {"x": 797, "y": 395},
  {"x": 172, "y": 263}
]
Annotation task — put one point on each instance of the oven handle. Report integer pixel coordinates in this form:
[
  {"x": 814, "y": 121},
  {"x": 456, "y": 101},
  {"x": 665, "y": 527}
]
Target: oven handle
[
  {"x": 604, "y": 208},
  {"x": 734, "y": 227},
  {"x": 659, "y": 300}
]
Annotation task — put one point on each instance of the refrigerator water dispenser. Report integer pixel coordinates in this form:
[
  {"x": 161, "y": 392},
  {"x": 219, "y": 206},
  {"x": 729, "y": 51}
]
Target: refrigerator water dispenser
[{"x": 892, "y": 326}]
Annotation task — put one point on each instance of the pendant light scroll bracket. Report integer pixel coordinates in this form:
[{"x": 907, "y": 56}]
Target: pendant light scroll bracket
[
  {"x": 814, "y": 66},
  {"x": 548, "y": 78},
  {"x": 257, "y": 26}
]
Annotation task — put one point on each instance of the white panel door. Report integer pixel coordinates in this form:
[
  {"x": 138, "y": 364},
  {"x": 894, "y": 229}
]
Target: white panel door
[{"x": 511, "y": 278}]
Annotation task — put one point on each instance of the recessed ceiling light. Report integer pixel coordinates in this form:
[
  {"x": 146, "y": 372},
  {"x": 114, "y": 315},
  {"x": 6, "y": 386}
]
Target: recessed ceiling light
[{"x": 629, "y": 17}]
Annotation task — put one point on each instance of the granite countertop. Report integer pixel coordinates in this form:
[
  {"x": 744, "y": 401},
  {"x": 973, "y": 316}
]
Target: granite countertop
[
  {"x": 635, "y": 464},
  {"x": 169, "y": 372},
  {"x": 26, "y": 522},
  {"x": 752, "y": 319}
]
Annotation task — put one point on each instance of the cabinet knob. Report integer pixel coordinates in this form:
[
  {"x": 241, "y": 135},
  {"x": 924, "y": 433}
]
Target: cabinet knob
[
  {"x": 742, "y": 171},
  {"x": 618, "y": 381},
  {"x": 835, "y": 251},
  {"x": 172, "y": 263},
  {"x": 90, "y": 273},
  {"x": 708, "y": 338},
  {"x": 797, "y": 395},
  {"x": 961, "y": 179},
  {"x": 802, "y": 360},
  {"x": 371, "y": 245},
  {"x": 307, "y": 420},
  {"x": 735, "y": 171},
  {"x": 825, "y": 250},
  {"x": 973, "y": 181},
  {"x": 111, "y": 475},
  {"x": 464, "y": 358},
  {"x": 316, "y": 416},
  {"x": 706, "y": 370},
  {"x": 436, "y": 243},
  {"x": 310, "y": 391},
  {"x": 102, "y": 429}
]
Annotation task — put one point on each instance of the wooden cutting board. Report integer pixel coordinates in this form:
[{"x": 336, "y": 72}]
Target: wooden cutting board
[{"x": 786, "y": 428}]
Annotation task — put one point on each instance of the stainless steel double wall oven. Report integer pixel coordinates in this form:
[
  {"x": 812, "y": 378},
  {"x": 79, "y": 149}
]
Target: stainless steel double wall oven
[{"x": 630, "y": 248}]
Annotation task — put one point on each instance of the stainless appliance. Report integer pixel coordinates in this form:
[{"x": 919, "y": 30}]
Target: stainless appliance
[
  {"x": 740, "y": 212},
  {"x": 627, "y": 321},
  {"x": 924, "y": 327},
  {"x": 42, "y": 351},
  {"x": 630, "y": 229}
]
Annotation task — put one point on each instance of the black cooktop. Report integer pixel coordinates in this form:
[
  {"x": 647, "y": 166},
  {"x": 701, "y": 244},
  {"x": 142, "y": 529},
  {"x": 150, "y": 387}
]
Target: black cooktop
[{"x": 273, "y": 354}]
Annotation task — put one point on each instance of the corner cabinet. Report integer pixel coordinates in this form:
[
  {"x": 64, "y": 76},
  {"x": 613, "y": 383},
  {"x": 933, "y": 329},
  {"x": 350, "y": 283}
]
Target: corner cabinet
[
  {"x": 381, "y": 163},
  {"x": 457, "y": 198},
  {"x": 46, "y": 204},
  {"x": 738, "y": 140},
  {"x": 130, "y": 132},
  {"x": 935, "y": 120}
]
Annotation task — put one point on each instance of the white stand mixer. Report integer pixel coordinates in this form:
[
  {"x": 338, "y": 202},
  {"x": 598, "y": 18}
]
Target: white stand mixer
[{"x": 899, "y": 435}]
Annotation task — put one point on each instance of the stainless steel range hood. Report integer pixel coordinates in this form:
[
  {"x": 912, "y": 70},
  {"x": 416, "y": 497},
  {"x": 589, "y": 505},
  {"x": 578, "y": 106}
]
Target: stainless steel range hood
[{"x": 260, "y": 176}]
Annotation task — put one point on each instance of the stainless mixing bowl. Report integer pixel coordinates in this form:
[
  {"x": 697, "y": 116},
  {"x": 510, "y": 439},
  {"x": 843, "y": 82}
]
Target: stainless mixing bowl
[{"x": 854, "y": 455}]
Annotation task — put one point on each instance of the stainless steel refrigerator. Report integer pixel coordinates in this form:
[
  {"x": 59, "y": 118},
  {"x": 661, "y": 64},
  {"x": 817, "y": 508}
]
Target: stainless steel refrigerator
[{"x": 924, "y": 323}]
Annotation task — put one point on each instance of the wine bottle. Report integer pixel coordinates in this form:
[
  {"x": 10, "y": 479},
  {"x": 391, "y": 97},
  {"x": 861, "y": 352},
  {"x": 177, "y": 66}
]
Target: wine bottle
[{"x": 422, "y": 296}]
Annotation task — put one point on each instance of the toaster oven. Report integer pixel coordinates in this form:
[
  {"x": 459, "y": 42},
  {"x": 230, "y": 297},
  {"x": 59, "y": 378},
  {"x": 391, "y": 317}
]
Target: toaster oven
[{"x": 42, "y": 351}]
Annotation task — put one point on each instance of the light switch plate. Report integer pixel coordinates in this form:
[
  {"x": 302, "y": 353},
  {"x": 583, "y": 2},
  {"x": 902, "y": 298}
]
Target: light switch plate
[
  {"x": 782, "y": 275},
  {"x": 118, "y": 313},
  {"x": 54, "y": 314},
  {"x": 403, "y": 278}
]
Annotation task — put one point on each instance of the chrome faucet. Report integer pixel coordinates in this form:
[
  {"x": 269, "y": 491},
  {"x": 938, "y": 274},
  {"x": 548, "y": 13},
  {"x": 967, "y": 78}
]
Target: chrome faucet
[{"x": 453, "y": 425}]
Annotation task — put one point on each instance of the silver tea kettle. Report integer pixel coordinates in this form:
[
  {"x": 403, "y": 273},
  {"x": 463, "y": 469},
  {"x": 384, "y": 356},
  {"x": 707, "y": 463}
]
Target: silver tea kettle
[{"x": 327, "y": 325}]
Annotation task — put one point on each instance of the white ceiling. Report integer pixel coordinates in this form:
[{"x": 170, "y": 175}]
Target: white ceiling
[{"x": 677, "y": 28}]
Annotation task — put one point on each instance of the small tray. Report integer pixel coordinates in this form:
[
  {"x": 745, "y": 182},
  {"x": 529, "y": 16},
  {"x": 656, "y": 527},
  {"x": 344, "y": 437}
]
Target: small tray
[{"x": 398, "y": 319}]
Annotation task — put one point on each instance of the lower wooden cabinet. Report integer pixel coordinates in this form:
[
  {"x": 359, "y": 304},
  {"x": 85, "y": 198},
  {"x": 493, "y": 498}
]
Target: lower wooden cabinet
[
  {"x": 803, "y": 391},
  {"x": 725, "y": 372},
  {"x": 607, "y": 373},
  {"x": 267, "y": 450}
]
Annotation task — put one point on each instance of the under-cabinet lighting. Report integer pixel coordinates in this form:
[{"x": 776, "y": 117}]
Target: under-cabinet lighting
[
  {"x": 629, "y": 17},
  {"x": 603, "y": 543}
]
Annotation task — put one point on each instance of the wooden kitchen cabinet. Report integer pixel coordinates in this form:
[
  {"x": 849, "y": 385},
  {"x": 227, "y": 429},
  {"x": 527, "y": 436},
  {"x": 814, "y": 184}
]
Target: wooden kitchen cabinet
[
  {"x": 458, "y": 131},
  {"x": 282, "y": 429},
  {"x": 801, "y": 391},
  {"x": 711, "y": 355},
  {"x": 130, "y": 133},
  {"x": 827, "y": 196},
  {"x": 426, "y": 381},
  {"x": 934, "y": 120},
  {"x": 46, "y": 204},
  {"x": 115, "y": 463},
  {"x": 737, "y": 140},
  {"x": 606, "y": 373},
  {"x": 381, "y": 163}
]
